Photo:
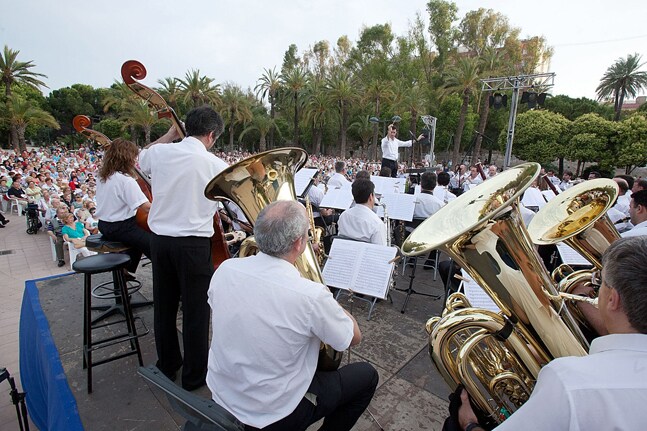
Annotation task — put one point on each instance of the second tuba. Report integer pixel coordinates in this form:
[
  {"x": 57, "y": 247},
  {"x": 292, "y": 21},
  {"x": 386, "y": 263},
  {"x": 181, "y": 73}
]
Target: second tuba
[{"x": 497, "y": 356}]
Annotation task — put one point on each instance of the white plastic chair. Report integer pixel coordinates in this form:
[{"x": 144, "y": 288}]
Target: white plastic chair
[
  {"x": 14, "y": 204},
  {"x": 73, "y": 252}
]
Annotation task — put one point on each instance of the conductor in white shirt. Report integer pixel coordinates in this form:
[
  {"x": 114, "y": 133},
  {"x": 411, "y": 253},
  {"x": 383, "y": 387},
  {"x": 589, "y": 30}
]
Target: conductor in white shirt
[
  {"x": 360, "y": 223},
  {"x": 268, "y": 323},
  {"x": 390, "y": 145},
  {"x": 181, "y": 219}
]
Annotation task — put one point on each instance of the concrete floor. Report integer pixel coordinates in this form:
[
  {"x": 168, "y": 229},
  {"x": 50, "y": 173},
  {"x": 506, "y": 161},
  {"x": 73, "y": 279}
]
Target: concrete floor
[{"x": 411, "y": 394}]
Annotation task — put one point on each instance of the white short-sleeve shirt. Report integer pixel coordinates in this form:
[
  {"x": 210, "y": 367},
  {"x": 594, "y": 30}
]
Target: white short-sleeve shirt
[
  {"x": 362, "y": 224},
  {"x": 118, "y": 198}
]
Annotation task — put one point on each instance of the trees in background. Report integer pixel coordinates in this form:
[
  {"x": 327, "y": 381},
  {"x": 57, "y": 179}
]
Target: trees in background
[{"x": 622, "y": 79}]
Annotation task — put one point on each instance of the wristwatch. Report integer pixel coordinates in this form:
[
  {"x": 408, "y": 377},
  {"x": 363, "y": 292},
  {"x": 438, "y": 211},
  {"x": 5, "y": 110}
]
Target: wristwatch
[{"x": 472, "y": 426}]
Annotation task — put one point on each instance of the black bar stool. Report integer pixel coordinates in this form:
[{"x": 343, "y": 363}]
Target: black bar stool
[
  {"x": 107, "y": 290},
  {"x": 98, "y": 264}
]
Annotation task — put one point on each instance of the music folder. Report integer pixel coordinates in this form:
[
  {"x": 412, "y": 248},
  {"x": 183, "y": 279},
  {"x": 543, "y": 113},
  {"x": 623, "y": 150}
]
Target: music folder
[
  {"x": 302, "y": 179},
  {"x": 399, "y": 206},
  {"x": 360, "y": 267},
  {"x": 340, "y": 199}
]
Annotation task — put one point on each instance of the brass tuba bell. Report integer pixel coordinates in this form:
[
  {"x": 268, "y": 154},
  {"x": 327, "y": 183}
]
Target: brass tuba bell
[{"x": 497, "y": 356}]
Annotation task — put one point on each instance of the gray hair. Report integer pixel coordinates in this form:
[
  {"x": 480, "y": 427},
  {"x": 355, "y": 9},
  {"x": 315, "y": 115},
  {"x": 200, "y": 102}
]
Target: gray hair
[
  {"x": 279, "y": 225},
  {"x": 624, "y": 264}
]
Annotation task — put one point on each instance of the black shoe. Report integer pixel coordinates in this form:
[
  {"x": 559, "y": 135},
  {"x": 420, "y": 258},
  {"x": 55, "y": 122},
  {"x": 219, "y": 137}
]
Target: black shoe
[
  {"x": 5, "y": 221},
  {"x": 61, "y": 263},
  {"x": 188, "y": 387},
  {"x": 1, "y": 225}
]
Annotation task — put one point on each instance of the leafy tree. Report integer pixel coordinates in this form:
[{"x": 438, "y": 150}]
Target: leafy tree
[
  {"x": 622, "y": 79},
  {"x": 111, "y": 127},
  {"x": 138, "y": 114},
  {"x": 65, "y": 103},
  {"x": 269, "y": 85},
  {"x": 262, "y": 124},
  {"x": 377, "y": 92},
  {"x": 462, "y": 78},
  {"x": 316, "y": 111},
  {"x": 363, "y": 128},
  {"x": 290, "y": 59},
  {"x": 170, "y": 91},
  {"x": 590, "y": 140},
  {"x": 442, "y": 15},
  {"x": 20, "y": 113},
  {"x": 572, "y": 108},
  {"x": 632, "y": 143},
  {"x": 540, "y": 136}
]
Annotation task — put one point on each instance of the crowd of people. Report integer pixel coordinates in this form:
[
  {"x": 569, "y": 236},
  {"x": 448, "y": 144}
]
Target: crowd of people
[{"x": 267, "y": 375}]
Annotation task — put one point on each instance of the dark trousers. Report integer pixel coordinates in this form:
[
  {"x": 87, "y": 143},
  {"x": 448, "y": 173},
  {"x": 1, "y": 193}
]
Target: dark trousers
[
  {"x": 342, "y": 397},
  {"x": 182, "y": 269},
  {"x": 129, "y": 233},
  {"x": 58, "y": 246},
  {"x": 447, "y": 269},
  {"x": 391, "y": 164}
]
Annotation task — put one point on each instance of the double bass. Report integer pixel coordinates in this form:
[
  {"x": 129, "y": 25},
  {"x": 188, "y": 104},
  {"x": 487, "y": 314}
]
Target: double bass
[{"x": 131, "y": 72}]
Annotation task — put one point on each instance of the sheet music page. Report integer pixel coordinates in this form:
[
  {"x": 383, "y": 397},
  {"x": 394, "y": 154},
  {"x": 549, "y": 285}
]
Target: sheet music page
[
  {"x": 302, "y": 179},
  {"x": 399, "y": 206},
  {"x": 532, "y": 197},
  {"x": 476, "y": 295},
  {"x": 359, "y": 266},
  {"x": 388, "y": 184},
  {"x": 548, "y": 194},
  {"x": 570, "y": 256},
  {"x": 337, "y": 198}
]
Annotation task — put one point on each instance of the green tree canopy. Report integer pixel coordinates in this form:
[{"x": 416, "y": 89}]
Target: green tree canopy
[{"x": 540, "y": 136}]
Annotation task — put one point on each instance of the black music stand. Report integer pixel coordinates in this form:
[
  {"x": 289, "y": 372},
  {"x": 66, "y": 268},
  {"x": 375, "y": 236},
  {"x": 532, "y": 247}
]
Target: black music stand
[{"x": 17, "y": 399}]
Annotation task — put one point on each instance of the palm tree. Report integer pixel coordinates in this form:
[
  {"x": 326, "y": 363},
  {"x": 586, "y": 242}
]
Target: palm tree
[
  {"x": 269, "y": 85},
  {"x": 261, "y": 123},
  {"x": 462, "y": 78},
  {"x": 198, "y": 90},
  {"x": 19, "y": 113},
  {"x": 138, "y": 114},
  {"x": 170, "y": 91},
  {"x": 342, "y": 91},
  {"x": 316, "y": 112},
  {"x": 490, "y": 65},
  {"x": 364, "y": 130},
  {"x": 622, "y": 79},
  {"x": 295, "y": 79},
  {"x": 411, "y": 99},
  {"x": 13, "y": 71},
  {"x": 121, "y": 100},
  {"x": 237, "y": 108}
]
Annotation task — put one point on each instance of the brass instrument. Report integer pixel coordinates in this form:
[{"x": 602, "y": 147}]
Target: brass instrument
[
  {"x": 497, "y": 356},
  {"x": 254, "y": 183},
  {"x": 317, "y": 234}
]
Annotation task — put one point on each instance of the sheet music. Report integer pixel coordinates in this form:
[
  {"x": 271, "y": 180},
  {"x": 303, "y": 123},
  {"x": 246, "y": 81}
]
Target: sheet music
[
  {"x": 360, "y": 267},
  {"x": 388, "y": 184},
  {"x": 337, "y": 198},
  {"x": 548, "y": 194},
  {"x": 399, "y": 206},
  {"x": 476, "y": 295},
  {"x": 570, "y": 256},
  {"x": 532, "y": 197},
  {"x": 302, "y": 179}
]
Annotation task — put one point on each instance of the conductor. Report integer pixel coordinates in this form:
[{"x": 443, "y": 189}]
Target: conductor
[{"x": 268, "y": 323}]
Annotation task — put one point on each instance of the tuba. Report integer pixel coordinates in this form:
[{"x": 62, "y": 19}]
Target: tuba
[
  {"x": 497, "y": 356},
  {"x": 254, "y": 183}
]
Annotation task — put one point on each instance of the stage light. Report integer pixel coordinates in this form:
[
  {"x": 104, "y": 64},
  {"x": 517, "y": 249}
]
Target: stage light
[
  {"x": 498, "y": 100},
  {"x": 533, "y": 99}
]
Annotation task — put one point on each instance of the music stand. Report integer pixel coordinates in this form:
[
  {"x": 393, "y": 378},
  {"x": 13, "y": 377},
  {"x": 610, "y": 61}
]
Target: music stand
[
  {"x": 17, "y": 399},
  {"x": 410, "y": 290},
  {"x": 200, "y": 413}
]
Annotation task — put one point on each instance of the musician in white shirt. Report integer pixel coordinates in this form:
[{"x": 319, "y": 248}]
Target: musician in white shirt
[
  {"x": 360, "y": 222},
  {"x": 441, "y": 191},
  {"x": 426, "y": 203},
  {"x": 567, "y": 180},
  {"x": 338, "y": 180},
  {"x": 390, "y": 145}
]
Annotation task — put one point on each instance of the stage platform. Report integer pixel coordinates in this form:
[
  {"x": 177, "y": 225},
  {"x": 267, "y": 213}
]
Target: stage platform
[{"x": 411, "y": 395}]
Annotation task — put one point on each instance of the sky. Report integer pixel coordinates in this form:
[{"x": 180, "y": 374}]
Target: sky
[{"x": 234, "y": 41}]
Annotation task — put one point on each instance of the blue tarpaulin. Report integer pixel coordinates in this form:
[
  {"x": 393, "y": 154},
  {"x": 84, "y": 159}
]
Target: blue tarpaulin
[{"x": 50, "y": 402}]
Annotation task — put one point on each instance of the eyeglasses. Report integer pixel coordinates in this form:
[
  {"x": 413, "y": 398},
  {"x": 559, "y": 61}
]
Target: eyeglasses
[{"x": 596, "y": 279}]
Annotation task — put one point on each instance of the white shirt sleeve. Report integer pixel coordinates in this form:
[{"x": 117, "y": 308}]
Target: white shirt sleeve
[{"x": 329, "y": 322}]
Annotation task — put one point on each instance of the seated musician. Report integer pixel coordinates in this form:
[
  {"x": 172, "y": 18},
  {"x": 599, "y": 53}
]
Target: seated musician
[
  {"x": 118, "y": 198},
  {"x": 426, "y": 205},
  {"x": 360, "y": 222},
  {"x": 268, "y": 323},
  {"x": 608, "y": 388},
  {"x": 338, "y": 180}
]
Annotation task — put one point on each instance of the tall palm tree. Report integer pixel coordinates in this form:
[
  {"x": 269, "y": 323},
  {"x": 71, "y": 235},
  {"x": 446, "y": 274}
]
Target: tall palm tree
[
  {"x": 316, "y": 111},
  {"x": 490, "y": 65},
  {"x": 170, "y": 91},
  {"x": 269, "y": 85},
  {"x": 263, "y": 124},
  {"x": 237, "y": 108},
  {"x": 622, "y": 79},
  {"x": 411, "y": 99},
  {"x": 295, "y": 80},
  {"x": 13, "y": 71},
  {"x": 198, "y": 90},
  {"x": 462, "y": 78},
  {"x": 138, "y": 114},
  {"x": 19, "y": 113},
  {"x": 364, "y": 130},
  {"x": 120, "y": 99},
  {"x": 342, "y": 91}
]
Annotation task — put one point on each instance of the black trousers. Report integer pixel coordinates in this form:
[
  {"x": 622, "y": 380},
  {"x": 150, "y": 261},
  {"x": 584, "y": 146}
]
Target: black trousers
[
  {"x": 129, "y": 233},
  {"x": 342, "y": 397},
  {"x": 391, "y": 164},
  {"x": 182, "y": 269}
]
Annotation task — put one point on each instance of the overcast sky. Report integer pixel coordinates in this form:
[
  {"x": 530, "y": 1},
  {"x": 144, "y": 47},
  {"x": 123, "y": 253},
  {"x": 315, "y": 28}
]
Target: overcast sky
[{"x": 72, "y": 41}]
